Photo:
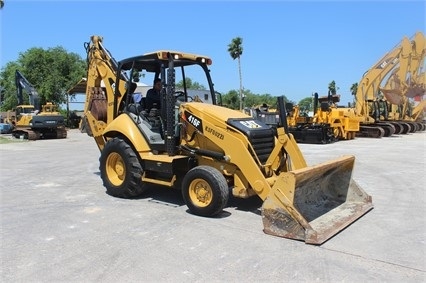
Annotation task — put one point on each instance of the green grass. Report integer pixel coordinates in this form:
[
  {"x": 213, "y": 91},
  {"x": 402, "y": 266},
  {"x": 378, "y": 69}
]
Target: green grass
[{"x": 8, "y": 139}]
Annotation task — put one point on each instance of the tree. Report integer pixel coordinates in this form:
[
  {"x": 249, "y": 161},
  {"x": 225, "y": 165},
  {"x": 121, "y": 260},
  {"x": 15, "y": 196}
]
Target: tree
[
  {"x": 332, "y": 88},
  {"x": 230, "y": 99},
  {"x": 306, "y": 104},
  {"x": 190, "y": 84},
  {"x": 235, "y": 49},
  {"x": 52, "y": 72},
  {"x": 354, "y": 88}
]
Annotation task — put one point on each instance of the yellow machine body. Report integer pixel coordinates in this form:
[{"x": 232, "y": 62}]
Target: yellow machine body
[{"x": 210, "y": 152}]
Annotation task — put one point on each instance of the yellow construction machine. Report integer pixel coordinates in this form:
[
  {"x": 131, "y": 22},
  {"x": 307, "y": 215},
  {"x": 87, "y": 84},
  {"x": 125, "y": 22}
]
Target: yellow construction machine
[
  {"x": 302, "y": 127},
  {"x": 392, "y": 67},
  {"x": 366, "y": 98},
  {"x": 210, "y": 152},
  {"x": 31, "y": 122},
  {"x": 404, "y": 84},
  {"x": 344, "y": 127}
]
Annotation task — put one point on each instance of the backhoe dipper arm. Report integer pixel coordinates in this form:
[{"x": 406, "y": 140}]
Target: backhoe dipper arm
[{"x": 100, "y": 106}]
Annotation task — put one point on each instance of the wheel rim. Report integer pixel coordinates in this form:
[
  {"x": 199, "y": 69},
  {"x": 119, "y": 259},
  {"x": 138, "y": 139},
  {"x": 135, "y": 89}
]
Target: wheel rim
[
  {"x": 115, "y": 169},
  {"x": 200, "y": 193}
]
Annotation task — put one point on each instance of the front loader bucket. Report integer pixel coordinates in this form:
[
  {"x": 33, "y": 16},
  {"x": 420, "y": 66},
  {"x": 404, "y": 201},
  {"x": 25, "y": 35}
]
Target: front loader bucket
[{"x": 315, "y": 203}]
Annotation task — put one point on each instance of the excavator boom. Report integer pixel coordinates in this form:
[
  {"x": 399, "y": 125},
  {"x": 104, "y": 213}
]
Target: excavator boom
[{"x": 22, "y": 83}]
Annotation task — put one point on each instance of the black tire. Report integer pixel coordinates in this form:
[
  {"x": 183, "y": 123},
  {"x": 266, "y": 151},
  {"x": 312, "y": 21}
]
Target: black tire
[
  {"x": 205, "y": 191},
  {"x": 121, "y": 170}
]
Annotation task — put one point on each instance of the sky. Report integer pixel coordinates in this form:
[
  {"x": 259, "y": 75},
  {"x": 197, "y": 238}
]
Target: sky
[{"x": 291, "y": 48}]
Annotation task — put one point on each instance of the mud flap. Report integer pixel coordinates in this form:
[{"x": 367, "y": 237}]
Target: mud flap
[{"x": 315, "y": 203}]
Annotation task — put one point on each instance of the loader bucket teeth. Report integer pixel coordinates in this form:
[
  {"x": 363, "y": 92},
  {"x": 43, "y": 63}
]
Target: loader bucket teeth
[{"x": 315, "y": 203}]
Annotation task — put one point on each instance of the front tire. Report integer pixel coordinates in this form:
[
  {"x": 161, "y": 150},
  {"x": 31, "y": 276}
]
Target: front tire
[
  {"x": 121, "y": 171},
  {"x": 205, "y": 191}
]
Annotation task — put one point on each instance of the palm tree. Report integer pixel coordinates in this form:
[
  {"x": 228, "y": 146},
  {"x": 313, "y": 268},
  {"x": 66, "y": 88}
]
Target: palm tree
[
  {"x": 332, "y": 87},
  {"x": 354, "y": 89},
  {"x": 235, "y": 49}
]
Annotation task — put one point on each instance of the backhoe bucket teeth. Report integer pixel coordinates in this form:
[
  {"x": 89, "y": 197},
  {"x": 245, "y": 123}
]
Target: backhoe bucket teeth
[{"x": 315, "y": 203}]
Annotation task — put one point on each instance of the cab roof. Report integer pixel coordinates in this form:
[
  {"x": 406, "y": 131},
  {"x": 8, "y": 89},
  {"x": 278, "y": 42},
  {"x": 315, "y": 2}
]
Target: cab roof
[{"x": 152, "y": 61}]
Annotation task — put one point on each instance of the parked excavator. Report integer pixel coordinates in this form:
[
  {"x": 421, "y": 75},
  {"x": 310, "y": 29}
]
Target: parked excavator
[
  {"x": 403, "y": 84},
  {"x": 29, "y": 120},
  {"x": 208, "y": 151},
  {"x": 367, "y": 107}
]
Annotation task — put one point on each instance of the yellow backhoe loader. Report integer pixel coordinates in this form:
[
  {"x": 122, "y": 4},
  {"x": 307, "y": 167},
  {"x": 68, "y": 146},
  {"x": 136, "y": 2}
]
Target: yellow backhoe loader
[{"x": 210, "y": 152}]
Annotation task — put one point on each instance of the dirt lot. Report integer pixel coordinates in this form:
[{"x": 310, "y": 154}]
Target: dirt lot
[{"x": 59, "y": 225}]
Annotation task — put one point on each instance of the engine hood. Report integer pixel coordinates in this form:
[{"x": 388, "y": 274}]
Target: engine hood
[{"x": 218, "y": 112}]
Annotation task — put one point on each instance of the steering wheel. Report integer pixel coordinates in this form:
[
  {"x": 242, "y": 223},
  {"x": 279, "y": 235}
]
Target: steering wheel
[{"x": 178, "y": 94}]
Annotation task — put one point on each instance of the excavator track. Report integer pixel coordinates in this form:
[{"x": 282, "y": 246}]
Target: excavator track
[
  {"x": 422, "y": 126},
  {"x": 29, "y": 134},
  {"x": 387, "y": 127},
  {"x": 399, "y": 128},
  {"x": 370, "y": 132},
  {"x": 413, "y": 126},
  {"x": 61, "y": 133},
  {"x": 26, "y": 134}
]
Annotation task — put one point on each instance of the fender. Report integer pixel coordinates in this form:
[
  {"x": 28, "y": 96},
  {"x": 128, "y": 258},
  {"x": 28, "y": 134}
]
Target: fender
[{"x": 124, "y": 125}]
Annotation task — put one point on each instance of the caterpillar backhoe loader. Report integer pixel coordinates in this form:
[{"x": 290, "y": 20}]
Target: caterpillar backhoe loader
[
  {"x": 29, "y": 120},
  {"x": 208, "y": 151}
]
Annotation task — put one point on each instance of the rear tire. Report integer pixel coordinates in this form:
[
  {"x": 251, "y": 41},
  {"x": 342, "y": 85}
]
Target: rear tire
[
  {"x": 205, "y": 191},
  {"x": 121, "y": 171}
]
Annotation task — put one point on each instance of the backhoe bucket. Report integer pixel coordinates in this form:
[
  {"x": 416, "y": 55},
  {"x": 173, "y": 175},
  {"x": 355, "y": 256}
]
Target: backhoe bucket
[{"x": 315, "y": 203}]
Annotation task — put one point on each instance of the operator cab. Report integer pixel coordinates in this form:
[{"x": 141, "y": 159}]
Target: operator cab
[{"x": 184, "y": 77}]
